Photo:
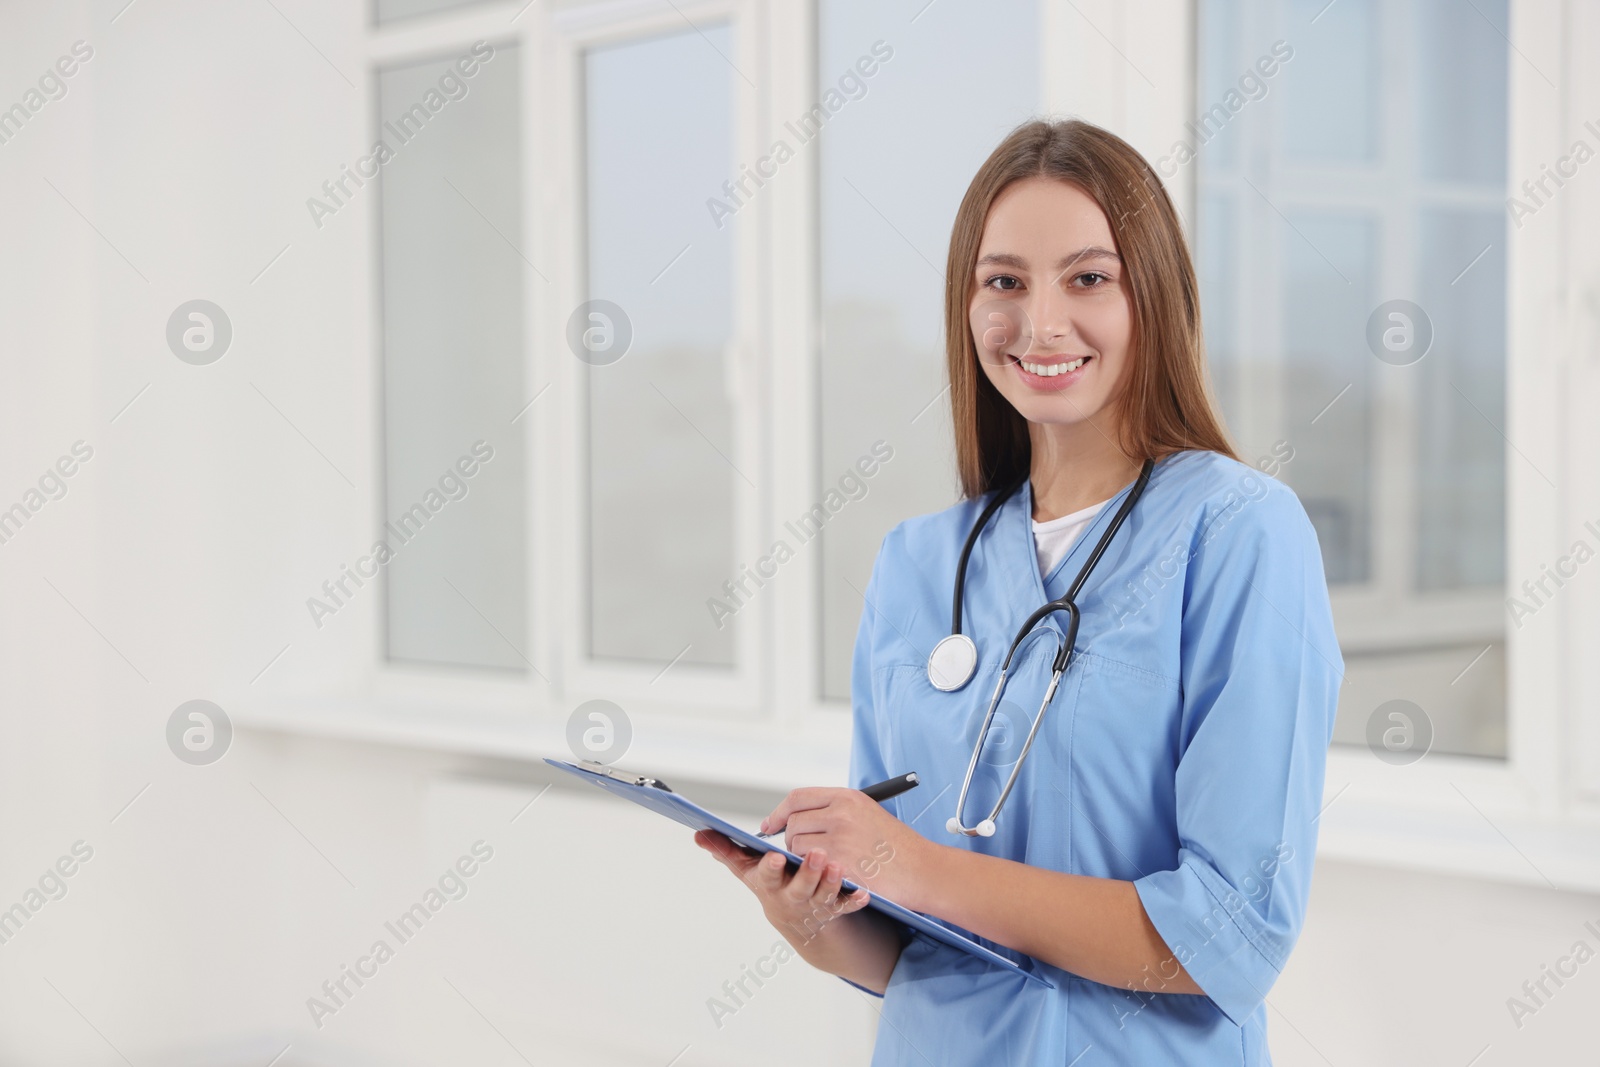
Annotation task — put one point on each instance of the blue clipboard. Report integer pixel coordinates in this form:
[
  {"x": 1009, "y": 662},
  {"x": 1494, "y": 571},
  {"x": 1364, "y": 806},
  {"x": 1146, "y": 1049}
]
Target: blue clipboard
[{"x": 653, "y": 794}]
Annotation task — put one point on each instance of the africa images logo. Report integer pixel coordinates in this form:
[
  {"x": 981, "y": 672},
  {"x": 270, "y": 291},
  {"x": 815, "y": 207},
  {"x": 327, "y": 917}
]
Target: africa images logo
[{"x": 199, "y": 332}]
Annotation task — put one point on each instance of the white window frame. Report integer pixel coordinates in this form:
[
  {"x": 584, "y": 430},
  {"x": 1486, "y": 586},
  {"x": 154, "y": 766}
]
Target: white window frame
[
  {"x": 684, "y": 688},
  {"x": 422, "y": 688},
  {"x": 1533, "y": 817}
]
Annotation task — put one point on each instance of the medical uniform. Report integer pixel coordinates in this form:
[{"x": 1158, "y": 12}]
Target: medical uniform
[{"x": 1184, "y": 751}]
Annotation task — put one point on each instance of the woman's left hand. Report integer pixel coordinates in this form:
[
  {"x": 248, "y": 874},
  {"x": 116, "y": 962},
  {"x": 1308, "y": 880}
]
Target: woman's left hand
[{"x": 875, "y": 848}]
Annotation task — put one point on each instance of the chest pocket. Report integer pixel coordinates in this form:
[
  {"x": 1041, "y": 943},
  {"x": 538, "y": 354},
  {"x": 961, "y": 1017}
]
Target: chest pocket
[{"x": 1123, "y": 715}]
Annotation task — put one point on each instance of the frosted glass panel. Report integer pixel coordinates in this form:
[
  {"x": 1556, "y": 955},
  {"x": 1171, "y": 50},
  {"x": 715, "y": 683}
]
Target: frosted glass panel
[
  {"x": 895, "y": 160},
  {"x": 452, "y": 282},
  {"x": 663, "y": 471}
]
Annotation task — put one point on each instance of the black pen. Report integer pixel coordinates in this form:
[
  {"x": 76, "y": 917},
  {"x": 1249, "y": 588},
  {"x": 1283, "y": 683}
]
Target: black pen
[{"x": 879, "y": 791}]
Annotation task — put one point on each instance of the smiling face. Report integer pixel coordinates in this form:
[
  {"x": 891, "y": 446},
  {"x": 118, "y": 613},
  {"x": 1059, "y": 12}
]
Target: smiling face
[{"x": 1051, "y": 315}]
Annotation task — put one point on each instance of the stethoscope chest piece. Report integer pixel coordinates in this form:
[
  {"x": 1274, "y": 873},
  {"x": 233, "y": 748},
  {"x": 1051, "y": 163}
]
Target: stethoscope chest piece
[{"x": 952, "y": 662}]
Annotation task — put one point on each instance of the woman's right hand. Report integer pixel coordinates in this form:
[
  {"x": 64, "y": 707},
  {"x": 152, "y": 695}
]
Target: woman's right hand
[
  {"x": 800, "y": 904},
  {"x": 804, "y": 906}
]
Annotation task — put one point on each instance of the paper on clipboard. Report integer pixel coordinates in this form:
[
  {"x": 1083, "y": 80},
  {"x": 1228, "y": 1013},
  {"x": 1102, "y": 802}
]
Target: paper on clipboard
[{"x": 646, "y": 792}]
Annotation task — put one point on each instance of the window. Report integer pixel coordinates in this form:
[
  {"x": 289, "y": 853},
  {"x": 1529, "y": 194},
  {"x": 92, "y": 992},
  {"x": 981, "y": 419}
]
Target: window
[{"x": 1351, "y": 241}]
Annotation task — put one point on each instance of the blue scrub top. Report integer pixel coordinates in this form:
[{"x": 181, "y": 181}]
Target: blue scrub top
[{"x": 1184, "y": 751}]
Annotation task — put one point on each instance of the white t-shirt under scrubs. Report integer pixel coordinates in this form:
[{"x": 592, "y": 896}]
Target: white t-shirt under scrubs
[{"x": 1054, "y": 538}]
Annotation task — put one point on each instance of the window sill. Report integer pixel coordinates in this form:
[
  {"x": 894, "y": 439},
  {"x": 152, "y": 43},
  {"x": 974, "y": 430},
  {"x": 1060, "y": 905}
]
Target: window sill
[
  {"x": 746, "y": 755},
  {"x": 1455, "y": 815},
  {"x": 1448, "y": 815}
]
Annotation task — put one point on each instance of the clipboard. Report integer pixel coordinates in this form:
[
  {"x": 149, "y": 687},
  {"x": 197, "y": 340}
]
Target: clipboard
[{"x": 653, "y": 794}]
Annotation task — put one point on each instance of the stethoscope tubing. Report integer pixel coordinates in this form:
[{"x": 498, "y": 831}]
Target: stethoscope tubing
[{"x": 1067, "y": 603}]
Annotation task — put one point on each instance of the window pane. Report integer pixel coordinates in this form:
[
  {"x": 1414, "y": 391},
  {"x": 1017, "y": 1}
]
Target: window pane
[
  {"x": 1220, "y": 39},
  {"x": 1331, "y": 87},
  {"x": 452, "y": 282},
  {"x": 1326, "y": 292},
  {"x": 662, "y": 475},
  {"x": 895, "y": 160},
  {"x": 1351, "y": 182},
  {"x": 1461, "y": 457},
  {"x": 1461, "y": 91}
]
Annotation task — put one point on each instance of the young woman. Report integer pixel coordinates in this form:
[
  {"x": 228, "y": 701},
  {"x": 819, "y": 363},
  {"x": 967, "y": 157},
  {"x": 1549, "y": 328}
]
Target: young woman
[{"x": 1153, "y": 859}]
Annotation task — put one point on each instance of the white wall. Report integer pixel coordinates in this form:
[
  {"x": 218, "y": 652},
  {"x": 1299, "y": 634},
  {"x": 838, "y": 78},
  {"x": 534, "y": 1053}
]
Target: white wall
[
  {"x": 1408, "y": 968},
  {"x": 177, "y": 565}
]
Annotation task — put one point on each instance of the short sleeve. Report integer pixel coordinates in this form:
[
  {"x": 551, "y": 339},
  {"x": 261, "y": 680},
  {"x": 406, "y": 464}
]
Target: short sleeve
[{"x": 1260, "y": 672}]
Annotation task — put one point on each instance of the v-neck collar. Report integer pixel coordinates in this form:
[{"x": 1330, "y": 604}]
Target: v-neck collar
[{"x": 1022, "y": 537}]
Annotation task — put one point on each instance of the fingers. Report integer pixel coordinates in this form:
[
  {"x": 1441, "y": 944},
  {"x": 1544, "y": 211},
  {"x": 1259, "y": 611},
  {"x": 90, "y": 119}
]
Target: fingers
[
  {"x": 854, "y": 901},
  {"x": 803, "y": 883},
  {"x": 766, "y": 875},
  {"x": 732, "y": 856},
  {"x": 802, "y": 900},
  {"x": 712, "y": 841},
  {"x": 828, "y": 886},
  {"x": 804, "y": 844},
  {"x": 716, "y": 844},
  {"x": 811, "y": 821},
  {"x": 829, "y": 900},
  {"x": 799, "y": 800}
]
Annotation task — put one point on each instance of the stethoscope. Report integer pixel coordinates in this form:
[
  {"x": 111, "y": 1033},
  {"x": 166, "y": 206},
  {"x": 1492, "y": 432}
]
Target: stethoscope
[{"x": 954, "y": 659}]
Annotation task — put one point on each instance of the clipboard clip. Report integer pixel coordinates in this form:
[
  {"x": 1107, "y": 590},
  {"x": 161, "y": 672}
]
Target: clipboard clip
[{"x": 623, "y": 776}]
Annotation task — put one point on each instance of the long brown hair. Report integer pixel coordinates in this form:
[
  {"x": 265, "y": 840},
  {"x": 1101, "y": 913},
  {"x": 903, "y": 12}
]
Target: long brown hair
[{"x": 1166, "y": 403}]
